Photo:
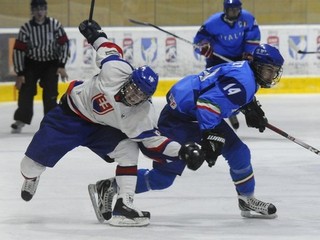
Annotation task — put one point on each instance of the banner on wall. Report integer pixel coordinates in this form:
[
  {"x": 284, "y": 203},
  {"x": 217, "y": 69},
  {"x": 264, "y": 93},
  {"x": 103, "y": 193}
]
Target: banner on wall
[{"x": 171, "y": 57}]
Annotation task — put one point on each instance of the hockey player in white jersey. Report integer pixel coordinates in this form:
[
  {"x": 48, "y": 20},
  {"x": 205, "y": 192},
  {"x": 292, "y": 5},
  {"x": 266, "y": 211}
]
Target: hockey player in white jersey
[{"x": 109, "y": 114}]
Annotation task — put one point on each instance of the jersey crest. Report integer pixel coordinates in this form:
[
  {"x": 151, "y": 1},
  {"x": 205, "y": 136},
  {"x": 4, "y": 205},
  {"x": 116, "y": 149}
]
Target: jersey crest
[{"x": 101, "y": 105}]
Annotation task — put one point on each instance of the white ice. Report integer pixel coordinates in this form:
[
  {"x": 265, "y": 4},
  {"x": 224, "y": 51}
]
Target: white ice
[{"x": 200, "y": 205}]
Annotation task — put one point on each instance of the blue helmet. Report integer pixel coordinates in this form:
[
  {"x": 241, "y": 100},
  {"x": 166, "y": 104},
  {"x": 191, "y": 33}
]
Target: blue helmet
[
  {"x": 267, "y": 65},
  {"x": 140, "y": 87},
  {"x": 231, "y": 4},
  {"x": 145, "y": 79},
  {"x": 234, "y": 13}
]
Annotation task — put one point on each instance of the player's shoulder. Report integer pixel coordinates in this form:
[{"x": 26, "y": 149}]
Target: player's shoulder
[
  {"x": 216, "y": 17},
  {"x": 247, "y": 14}
]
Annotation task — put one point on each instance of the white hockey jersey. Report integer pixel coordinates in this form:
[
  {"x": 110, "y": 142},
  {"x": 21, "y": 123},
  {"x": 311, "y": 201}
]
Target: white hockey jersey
[{"x": 94, "y": 101}]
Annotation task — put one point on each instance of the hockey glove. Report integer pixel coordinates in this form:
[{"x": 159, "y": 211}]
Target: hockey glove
[
  {"x": 255, "y": 116},
  {"x": 192, "y": 154},
  {"x": 212, "y": 144},
  {"x": 91, "y": 31},
  {"x": 206, "y": 50}
]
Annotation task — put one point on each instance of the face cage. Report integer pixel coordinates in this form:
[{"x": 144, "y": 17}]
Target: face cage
[
  {"x": 232, "y": 10},
  {"x": 267, "y": 75},
  {"x": 132, "y": 95}
]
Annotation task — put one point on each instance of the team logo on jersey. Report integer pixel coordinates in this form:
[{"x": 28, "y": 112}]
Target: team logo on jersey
[
  {"x": 171, "y": 49},
  {"x": 149, "y": 49},
  {"x": 128, "y": 49},
  {"x": 297, "y": 43},
  {"x": 101, "y": 105},
  {"x": 172, "y": 101}
]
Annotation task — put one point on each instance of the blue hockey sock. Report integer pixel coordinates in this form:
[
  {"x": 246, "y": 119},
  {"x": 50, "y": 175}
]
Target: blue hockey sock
[
  {"x": 243, "y": 180},
  {"x": 153, "y": 179}
]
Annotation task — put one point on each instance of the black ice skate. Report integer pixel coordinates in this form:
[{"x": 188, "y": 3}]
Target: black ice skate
[
  {"x": 234, "y": 122},
  {"x": 127, "y": 215},
  {"x": 17, "y": 126},
  {"x": 29, "y": 188},
  {"x": 105, "y": 191},
  {"x": 248, "y": 204}
]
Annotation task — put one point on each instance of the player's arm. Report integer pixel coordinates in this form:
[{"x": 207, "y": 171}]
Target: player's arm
[
  {"x": 209, "y": 115},
  {"x": 99, "y": 40},
  {"x": 163, "y": 150},
  {"x": 252, "y": 36},
  {"x": 203, "y": 39}
]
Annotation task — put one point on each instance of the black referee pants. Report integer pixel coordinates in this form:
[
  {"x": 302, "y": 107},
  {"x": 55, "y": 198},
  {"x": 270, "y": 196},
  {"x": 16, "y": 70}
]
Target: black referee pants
[{"x": 46, "y": 74}]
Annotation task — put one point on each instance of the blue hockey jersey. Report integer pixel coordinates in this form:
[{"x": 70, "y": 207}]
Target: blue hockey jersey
[
  {"x": 214, "y": 94},
  {"x": 230, "y": 41}
]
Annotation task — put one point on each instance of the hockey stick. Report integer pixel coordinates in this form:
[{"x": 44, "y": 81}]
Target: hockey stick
[
  {"x": 293, "y": 139},
  {"x": 176, "y": 36},
  {"x": 91, "y": 11},
  {"x": 296, "y": 49}
]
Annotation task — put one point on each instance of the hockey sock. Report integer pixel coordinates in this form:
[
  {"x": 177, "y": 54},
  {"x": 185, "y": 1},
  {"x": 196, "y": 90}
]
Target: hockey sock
[{"x": 153, "y": 179}]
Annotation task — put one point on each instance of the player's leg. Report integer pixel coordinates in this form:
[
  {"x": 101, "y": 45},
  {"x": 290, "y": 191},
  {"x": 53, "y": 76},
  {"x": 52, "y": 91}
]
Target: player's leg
[
  {"x": 241, "y": 171},
  {"x": 49, "y": 83},
  {"x": 125, "y": 153},
  {"x": 163, "y": 174},
  {"x": 24, "y": 113},
  {"x": 57, "y": 135}
]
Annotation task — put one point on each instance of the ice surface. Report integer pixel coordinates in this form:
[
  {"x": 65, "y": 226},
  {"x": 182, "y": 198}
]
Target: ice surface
[{"x": 200, "y": 205}]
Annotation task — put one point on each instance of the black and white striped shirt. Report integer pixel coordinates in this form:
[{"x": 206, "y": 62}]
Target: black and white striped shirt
[{"x": 40, "y": 42}]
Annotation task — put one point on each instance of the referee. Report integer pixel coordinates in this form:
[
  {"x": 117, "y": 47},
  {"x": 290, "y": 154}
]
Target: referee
[{"x": 40, "y": 54}]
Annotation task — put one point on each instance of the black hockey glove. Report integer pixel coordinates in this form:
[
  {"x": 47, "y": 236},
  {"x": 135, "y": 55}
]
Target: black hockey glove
[
  {"x": 212, "y": 143},
  {"x": 255, "y": 116},
  {"x": 91, "y": 31},
  {"x": 192, "y": 154}
]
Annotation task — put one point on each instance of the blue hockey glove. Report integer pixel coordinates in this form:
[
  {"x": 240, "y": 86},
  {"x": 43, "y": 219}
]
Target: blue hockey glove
[
  {"x": 212, "y": 144},
  {"x": 91, "y": 31},
  {"x": 192, "y": 154}
]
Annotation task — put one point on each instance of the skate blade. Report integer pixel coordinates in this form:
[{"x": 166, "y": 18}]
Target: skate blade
[
  {"x": 121, "y": 221},
  {"x": 92, "y": 192},
  {"x": 248, "y": 214}
]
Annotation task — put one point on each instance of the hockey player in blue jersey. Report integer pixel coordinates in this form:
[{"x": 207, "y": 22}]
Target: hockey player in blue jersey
[
  {"x": 233, "y": 33},
  {"x": 195, "y": 110}
]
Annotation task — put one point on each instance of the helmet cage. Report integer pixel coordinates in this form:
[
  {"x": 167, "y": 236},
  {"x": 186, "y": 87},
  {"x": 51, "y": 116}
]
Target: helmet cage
[
  {"x": 232, "y": 9},
  {"x": 131, "y": 94},
  {"x": 267, "y": 75}
]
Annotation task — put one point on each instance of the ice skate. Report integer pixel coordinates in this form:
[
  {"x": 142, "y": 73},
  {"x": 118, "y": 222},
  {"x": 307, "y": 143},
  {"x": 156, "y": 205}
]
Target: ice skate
[
  {"x": 261, "y": 209},
  {"x": 127, "y": 215},
  {"x": 17, "y": 126},
  {"x": 29, "y": 188},
  {"x": 104, "y": 191},
  {"x": 234, "y": 122}
]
